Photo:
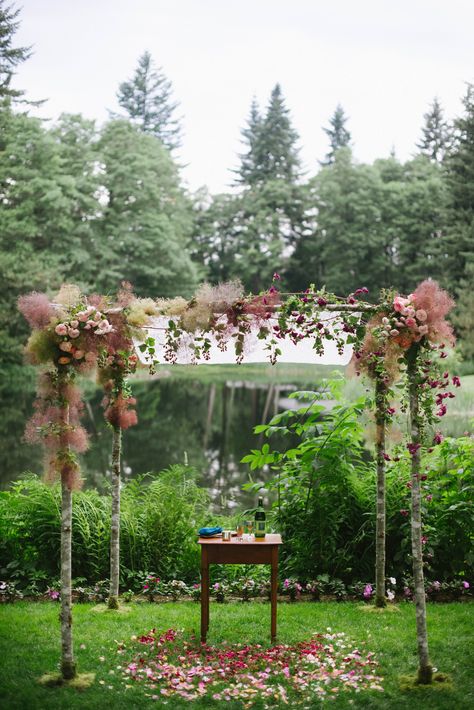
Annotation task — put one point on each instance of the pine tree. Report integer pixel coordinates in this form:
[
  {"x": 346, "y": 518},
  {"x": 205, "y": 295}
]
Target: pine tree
[
  {"x": 251, "y": 135},
  {"x": 272, "y": 153},
  {"x": 147, "y": 99},
  {"x": 10, "y": 56},
  {"x": 458, "y": 243},
  {"x": 339, "y": 136},
  {"x": 435, "y": 136}
]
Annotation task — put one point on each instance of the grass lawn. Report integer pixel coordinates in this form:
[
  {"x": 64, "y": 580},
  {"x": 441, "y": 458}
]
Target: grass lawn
[{"x": 29, "y": 647}]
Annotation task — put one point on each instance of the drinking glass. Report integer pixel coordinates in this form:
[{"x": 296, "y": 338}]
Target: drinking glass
[
  {"x": 249, "y": 526},
  {"x": 240, "y": 531}
]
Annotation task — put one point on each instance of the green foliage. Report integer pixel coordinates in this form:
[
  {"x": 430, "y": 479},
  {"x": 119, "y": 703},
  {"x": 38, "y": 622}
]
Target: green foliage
[
  {"x": 377, "y": 225},
  {"x": 325, "y": 498},
  {"x": 435, "y": 138},
  {"x": 160, "y": 516},
  {"x": 10, "y": 56},
  {"x": 339, "y": 136},
  {"x": 321, "y": 499},
  {"x": 147, "y": 100},
  {"x": 271, "y": 142},
  {"x": 145, "y": 222}
]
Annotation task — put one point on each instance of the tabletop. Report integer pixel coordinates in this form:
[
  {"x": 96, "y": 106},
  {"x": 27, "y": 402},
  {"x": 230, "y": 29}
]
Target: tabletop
[{"x": 269, "y": 539}]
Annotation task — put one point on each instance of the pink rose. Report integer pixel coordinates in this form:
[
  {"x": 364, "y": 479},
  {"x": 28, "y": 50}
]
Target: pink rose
[
  {"x": 79, "y": 354},
  {"x": 82, "y": 316},
  {"x": 410, "y": 322},
  {"x": 61, "y": 329},
  {"x": 73, "y": 332},
  {"x": 74, "y": 323},
  {"x": 394, "y": 332},
  {"x": 410, "y": 311},
  {"x": 399, "y": 303},
  {"x": 423, "y": 329},
  {"x": 421, "y": 315},
  {"x": 65, "y": 346}
]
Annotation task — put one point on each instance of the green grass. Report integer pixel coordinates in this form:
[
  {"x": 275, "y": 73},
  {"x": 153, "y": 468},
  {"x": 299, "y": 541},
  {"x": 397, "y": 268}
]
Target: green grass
[
  {"x": 29, "y": 647},
  {"x": 281, "y": 373}
]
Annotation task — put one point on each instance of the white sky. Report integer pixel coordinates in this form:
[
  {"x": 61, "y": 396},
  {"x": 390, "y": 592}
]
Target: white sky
[{"x": 383, "y": 60}]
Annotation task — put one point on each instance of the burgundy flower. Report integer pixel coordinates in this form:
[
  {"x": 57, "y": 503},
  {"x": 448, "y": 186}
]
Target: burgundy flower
[{"x": 413, "y": 448}]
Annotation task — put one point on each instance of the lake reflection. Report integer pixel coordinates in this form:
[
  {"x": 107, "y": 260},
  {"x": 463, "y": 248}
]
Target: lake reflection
[{"x": 208, "y": 425}]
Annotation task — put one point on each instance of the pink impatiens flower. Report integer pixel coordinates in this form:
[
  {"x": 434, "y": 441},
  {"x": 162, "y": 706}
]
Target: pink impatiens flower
[{"x": 367, "y": 591}]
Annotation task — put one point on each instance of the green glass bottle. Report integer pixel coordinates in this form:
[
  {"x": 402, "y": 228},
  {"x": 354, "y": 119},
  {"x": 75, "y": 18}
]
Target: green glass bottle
[{"x": 260, "y": 520}]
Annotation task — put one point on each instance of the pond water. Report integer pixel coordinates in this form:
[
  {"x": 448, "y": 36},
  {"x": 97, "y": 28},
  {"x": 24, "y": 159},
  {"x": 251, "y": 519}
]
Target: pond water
[
  {"x": 208, "y": 425},
  {"x": 206, "y": 421}
]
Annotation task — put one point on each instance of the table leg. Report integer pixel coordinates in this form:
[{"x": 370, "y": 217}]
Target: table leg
[
  {"x": 204, "y": 594},
  {"x": 274, "y": 585}
]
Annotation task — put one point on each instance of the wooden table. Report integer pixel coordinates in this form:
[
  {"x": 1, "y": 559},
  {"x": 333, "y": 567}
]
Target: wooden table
[{"x": 247, "y": 552}]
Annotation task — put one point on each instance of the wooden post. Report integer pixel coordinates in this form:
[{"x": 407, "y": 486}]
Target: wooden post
[
  {"x": 115, "y": 524},
  {"x": 68, "y": 666},
  {"x": 204, "y": 594},
  {"x": 380, "y": 415},
  {"x": 425, "y": 669},
  {"x": 273, "y": 593}
]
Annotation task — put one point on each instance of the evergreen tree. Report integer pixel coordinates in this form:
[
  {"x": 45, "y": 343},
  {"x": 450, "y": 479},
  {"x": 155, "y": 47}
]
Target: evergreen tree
[
  {"x": 147, "y": 99},
  {"x": 435, "y": 136},
  {"x": 146, "y": 221},
  {"x": 10, "y": 56},
  {"x": 458, "y": 243},
  {"x": 34, "y": 221},
  {"x": 76, "y": 140},
  {"x": 248, "y": 171},
  {"x": 339, "y": 136},
  {"x": 272, "y": 153}
]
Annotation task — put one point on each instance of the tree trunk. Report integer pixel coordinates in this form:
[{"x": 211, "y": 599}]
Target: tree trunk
[
  {"x": 380, "y": 407},
  {"x": 115, "y": 526},
  {"x": 68, "y": 666},
  {"x": 425, "y": 670}
]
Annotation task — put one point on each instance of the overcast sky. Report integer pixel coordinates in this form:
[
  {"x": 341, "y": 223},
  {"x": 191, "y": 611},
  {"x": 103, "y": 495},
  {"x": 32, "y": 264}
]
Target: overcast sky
[{"x": 384, "y": 61}]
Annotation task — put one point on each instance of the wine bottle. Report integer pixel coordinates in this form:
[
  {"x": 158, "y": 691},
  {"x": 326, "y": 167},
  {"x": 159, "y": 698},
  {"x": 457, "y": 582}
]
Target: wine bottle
[{"x": 260, "y": 521}]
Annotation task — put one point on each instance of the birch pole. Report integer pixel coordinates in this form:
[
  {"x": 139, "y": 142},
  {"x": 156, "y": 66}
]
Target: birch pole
[
  {"x": 115, "y": 524},
  {"x": 425, "y": 669},
  {"x": 380, "y": 407},
  {"x": 68, "y": 665}
]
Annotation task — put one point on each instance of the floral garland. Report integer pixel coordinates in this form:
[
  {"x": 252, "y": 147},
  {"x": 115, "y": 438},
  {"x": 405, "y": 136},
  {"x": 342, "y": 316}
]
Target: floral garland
[
  {"x": 408, "y": 327},
  {"x": 226, "y": 314},
  {"x": 68, "y": 335}
]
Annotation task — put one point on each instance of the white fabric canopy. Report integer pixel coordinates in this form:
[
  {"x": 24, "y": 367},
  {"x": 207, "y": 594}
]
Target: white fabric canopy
[{"x": 254, "y": 349}]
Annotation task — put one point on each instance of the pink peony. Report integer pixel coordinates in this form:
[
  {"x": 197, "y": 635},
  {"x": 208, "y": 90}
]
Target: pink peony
[
  {"x": 61, "y": 329},
  {"x": 421, "y": 315}
]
